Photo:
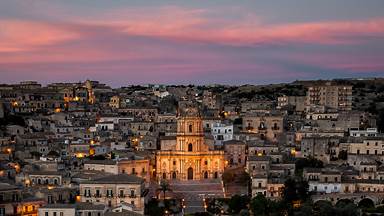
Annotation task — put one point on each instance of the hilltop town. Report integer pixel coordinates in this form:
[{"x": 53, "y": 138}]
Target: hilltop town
[{"x": 86, "y": 149}]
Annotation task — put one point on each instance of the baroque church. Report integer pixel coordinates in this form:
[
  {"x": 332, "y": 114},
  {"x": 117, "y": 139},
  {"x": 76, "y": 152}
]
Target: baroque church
[{"x": 190, "y": 158}]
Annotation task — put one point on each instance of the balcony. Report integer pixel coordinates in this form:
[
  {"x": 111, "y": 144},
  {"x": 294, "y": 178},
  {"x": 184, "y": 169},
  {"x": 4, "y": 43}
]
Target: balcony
[
  {"x": 275, "y": 128},
  {"x": 249, "y": 128}
]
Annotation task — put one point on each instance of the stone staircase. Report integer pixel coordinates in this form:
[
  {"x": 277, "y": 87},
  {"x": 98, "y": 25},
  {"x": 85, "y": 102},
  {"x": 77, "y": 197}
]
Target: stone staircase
[{"x": 194, "y": 191}]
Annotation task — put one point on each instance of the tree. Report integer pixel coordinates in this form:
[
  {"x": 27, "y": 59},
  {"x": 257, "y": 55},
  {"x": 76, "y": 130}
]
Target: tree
[
  {"x": 305, "y": 209},
  {"x": 259, "y": 205},
  {"x": 366, "y": 203},
  {"x": 152, "y": 208},
  {"x": 295, "y": 190},
  {"x": 311, "y": 162},
  {"x": 323, "y": 207},
  {"x": 237, "y": 203},
  {"x": 164, "y": 187}
]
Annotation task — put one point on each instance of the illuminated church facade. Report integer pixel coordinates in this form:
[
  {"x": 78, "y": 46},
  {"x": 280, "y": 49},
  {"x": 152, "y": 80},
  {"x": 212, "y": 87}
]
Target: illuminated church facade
[{"x": 191, "y": 158}]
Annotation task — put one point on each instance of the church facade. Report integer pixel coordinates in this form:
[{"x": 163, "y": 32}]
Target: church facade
[{"x": 191, "y": 158}]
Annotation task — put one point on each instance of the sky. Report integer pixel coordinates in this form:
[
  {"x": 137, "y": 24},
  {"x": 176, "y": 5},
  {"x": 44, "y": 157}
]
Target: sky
[{"x": 124, "y": 42}]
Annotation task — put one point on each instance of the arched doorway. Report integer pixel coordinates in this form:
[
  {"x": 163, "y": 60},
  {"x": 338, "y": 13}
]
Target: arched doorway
[
  {"x": 205, "y": 174},
  {"x": 216, "y": 175},
  {"x": 190, "y": 173}
]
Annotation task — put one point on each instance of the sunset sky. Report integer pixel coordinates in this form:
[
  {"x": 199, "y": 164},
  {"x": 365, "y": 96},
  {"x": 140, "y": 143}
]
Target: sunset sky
[{"x": 124, "y": 42}]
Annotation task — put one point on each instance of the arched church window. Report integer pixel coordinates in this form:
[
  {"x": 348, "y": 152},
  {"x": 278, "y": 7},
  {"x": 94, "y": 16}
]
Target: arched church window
[
  {"x": 190, "y": 147},
  {"x": 190, "y": 128}
]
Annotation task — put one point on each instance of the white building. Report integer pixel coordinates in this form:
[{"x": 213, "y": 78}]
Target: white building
[
  {"x": 322, "y": 187},
  {"x": 369, "y": 132},
  {"x": 222, "y": 132}
]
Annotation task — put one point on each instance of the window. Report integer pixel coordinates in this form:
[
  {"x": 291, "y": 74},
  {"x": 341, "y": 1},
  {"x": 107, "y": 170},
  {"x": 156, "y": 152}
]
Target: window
[
  {"x": 46, "y": 214},
  {"x": 174, "y": 162},
  {"x": 206, "y": 162},
  {"x": 190, "y": 128},
  {"x": 190, "y": 147},
  {"x": 61, "y": 214},
  {"x": 54, "y": 214},
  {"x": 109, "y": 193}
]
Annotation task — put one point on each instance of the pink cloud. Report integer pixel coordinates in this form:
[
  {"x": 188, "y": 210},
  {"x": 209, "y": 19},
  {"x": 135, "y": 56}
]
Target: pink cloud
[
  {"x": 318, "y": 32},
  {"x": 189, "y": 25},
  {"x": 198, "y": 25},
  {"x": 19, "y": 35}
]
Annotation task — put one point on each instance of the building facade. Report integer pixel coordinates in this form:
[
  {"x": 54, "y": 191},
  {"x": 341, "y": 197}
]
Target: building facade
[
  {"x": 190, "y": 158},
  {"x": 330, "y": 95}
]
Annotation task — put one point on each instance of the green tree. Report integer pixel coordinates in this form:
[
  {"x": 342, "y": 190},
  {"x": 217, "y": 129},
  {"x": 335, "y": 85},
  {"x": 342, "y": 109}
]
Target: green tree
[
  {"x": 152, "y": 208},
  {"x": 366, "y": 203},
  {"x": 311, "y": 162},
  {"x": 323, "y": 207},
  {"x": 237, "y": 203},
  {"x": 295, "y": 190},
  {"x": 259, "y": 205},
  {"x": 305, "y": 209},
  {"x": 164, "y": 187}
]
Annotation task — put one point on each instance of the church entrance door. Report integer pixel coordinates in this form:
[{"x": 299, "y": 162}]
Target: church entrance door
[{"x": 190, "y": 173}]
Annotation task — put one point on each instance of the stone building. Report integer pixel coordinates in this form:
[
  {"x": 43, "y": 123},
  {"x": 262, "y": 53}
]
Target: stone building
[
  {"x": 190, "y": 158},
  {"x": 330, "y": 95},
  {"x": 114, "y": 189},
  {"x": 267, "y": 125}
]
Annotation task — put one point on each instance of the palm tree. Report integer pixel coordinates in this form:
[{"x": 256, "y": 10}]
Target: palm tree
[{"x": 164, "y": 186}]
